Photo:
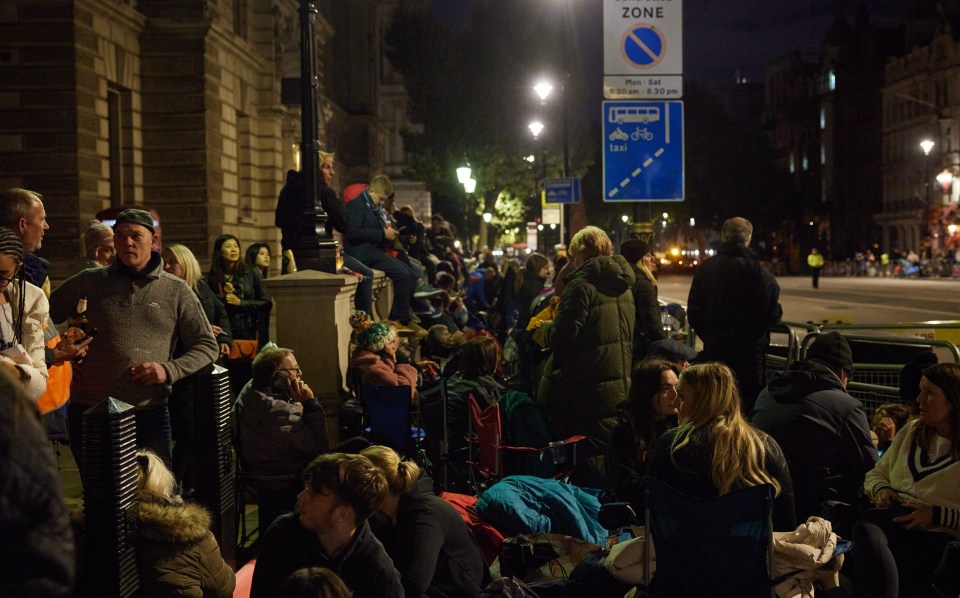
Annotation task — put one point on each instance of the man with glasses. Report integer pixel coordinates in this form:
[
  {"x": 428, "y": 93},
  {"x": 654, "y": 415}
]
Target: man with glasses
[{"x": 281, "y": 427}]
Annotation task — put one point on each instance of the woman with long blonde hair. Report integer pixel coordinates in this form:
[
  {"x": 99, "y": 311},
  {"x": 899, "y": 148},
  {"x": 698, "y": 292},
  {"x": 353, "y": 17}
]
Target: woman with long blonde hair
[{"x": 714, "y": 451}]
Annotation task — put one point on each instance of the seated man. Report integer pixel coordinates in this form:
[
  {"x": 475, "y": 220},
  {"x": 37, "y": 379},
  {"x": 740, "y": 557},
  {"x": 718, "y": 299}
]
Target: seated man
[
  {"x": 366, "y": 240},
  {"x": 281, "y": 428},
  {"x": 823, "y": 430},
  {"x": 330, "y": 530}
]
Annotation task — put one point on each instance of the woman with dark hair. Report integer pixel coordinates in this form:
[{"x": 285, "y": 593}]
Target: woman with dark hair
[
  {"x": 533, "y": 277},
  {"x": 714, "y": 451},
  {"x": 479, "y": 360},
  {"x": 914, "y": 485},
  {"x": 429, "y": 543},
  {"x": 314, "y": 582},
  {"x": 258, "y": 256},
  {"x": 23, "y": 312},
  {"x": 650, "y": 411},
  {"x": 247, "y": 301},
  {"x": 239, "y": 287}
]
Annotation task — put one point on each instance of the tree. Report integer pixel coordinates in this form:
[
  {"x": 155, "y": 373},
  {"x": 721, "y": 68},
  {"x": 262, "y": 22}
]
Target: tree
[{"x": 472, "y": 94}]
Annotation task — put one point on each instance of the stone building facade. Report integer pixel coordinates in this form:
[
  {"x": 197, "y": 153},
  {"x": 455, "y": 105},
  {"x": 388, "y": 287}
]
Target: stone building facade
[{"x": 189, "y": 107}]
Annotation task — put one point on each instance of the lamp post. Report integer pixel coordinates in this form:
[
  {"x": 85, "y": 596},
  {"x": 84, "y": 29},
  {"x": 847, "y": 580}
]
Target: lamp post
[
  {"x": 927, "y": 145},
  {"x": 315, "y": 249},
  {"x": 465, "y": 177},
  {"x": 543, "y": 89}
]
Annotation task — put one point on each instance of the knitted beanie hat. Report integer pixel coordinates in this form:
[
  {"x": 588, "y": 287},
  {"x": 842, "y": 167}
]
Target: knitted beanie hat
[
  {"x": 94, "y": 234},
  {"x": 370, "y": 335},
  {"x": 377, "y": 336}
]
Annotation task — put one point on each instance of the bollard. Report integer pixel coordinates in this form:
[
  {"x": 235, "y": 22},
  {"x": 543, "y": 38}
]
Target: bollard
[
  {"x": 213, "y": 456},
  {"x": 107, "y": 559}
]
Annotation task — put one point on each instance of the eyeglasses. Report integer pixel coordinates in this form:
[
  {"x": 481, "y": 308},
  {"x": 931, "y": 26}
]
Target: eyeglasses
[
  {"x": 5, "y": 280},
  {"x": 296, "y": 369}
]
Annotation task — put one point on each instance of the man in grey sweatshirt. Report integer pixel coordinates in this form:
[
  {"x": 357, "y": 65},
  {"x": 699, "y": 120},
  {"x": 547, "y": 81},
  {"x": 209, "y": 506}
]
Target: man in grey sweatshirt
[{"x": 140, "y": 313}]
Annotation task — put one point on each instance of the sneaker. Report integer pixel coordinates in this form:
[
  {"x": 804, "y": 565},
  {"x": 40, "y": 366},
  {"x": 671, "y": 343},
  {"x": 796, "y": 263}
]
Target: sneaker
[
  {"x": 413, "y": 328},
  {"x": 425, "y": 291},
  {"x": 429, "y": 313}
]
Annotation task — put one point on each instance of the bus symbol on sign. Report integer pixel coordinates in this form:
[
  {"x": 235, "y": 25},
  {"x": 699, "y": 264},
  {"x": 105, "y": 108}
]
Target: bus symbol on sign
[{"x": 633, "y": 114}]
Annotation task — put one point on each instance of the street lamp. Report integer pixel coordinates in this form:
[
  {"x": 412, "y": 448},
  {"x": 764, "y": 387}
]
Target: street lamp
[
  {"x": 463, "y": 174},
  {"x": 625, "y": 218},
  {"x": 945, "y": 179},
  {"x": 536, "y": 127},
  {"x": 470, "y": 185},
  {"x": 487, "y": 217},
  {"x": 543, "y": 89},
  {"x": 927, "y": 145}
]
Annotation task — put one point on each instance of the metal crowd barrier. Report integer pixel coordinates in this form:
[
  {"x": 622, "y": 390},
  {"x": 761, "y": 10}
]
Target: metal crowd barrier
[{"x": 878, "y": 358}]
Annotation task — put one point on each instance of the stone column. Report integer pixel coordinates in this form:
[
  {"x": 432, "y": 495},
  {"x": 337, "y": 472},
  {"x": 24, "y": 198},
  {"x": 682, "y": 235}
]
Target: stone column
[{"x": 313, "y": 318}]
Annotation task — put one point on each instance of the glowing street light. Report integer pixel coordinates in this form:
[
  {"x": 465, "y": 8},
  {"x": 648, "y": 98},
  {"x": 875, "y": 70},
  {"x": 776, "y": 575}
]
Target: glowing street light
[
  {"x": 536, "y": 127},
  {"x": 470, "y": 185},
  {"x": 625, "y": 218},
  {"x": 463, "y": 174},
  {"x": 543, "y": 89},
  {"x": 487, "y": 217},
  {"x": 945, "y": 179},
  {"x": 926, "y": 145}
]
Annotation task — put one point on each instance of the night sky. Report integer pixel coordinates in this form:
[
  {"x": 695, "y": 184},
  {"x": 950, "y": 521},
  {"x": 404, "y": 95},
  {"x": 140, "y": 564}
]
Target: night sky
[{"x": 720, "y": 36}]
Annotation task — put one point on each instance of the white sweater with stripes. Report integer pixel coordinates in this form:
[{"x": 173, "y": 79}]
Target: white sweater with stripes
[{"x": 909, "y": 470}]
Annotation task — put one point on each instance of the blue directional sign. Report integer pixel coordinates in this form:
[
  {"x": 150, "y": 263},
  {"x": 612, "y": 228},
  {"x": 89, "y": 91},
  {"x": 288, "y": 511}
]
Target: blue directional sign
[
  {"x": 643, "y": 45},
  {"x": 643, "y": 151},
  {"x": 562, "y": 190}
]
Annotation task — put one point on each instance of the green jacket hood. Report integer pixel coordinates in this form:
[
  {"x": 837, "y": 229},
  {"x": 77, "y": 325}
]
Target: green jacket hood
[{"x": 610, "y": 274}]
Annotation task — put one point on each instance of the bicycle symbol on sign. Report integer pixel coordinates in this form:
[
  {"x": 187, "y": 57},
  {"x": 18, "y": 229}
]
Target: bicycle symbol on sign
[{"x": 643, "y": 133}]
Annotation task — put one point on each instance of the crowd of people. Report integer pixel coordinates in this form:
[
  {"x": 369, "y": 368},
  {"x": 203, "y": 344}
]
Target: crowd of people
[
  {"x": 895, "y": 263},
  {"x": 580, "y": 341}
]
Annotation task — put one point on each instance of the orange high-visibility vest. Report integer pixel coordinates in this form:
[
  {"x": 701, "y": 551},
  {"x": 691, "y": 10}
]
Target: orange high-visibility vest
[{"x": 58, "y": 383}]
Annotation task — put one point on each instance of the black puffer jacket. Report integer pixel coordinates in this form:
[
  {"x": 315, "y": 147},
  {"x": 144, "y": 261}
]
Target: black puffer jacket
[
  {"x": 588, "y": 373},
  {"x": 823, "y": 432}
]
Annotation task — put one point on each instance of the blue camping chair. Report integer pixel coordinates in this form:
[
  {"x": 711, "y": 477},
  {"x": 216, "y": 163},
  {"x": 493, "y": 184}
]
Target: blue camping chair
[
  {"x": 717, "y": 547},
  {"x": 389, "y": 418}
]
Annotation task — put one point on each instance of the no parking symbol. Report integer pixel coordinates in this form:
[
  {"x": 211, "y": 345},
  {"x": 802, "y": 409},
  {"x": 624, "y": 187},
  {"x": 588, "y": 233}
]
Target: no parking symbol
[{"x": 643, "y": 45}]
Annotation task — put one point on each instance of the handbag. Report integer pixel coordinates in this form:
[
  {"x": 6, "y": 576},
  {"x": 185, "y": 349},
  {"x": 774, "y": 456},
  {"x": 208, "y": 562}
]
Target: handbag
[{"x": 243, "y": 350}]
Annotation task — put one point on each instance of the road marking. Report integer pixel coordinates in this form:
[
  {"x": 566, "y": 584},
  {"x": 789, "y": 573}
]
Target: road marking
[{"x": 635, "y": 173}]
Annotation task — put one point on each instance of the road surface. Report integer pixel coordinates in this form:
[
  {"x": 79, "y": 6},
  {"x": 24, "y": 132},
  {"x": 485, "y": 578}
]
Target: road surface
[{"x": 851, "y": 300}]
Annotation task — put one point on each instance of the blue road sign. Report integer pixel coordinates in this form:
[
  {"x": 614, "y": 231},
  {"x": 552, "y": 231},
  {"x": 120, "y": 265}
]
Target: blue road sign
[
  {"x": 643, "y": 151},
  {"x": 562, "y": 190},
  {"x": 643, "y": 45}
]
